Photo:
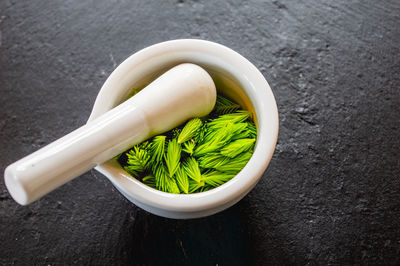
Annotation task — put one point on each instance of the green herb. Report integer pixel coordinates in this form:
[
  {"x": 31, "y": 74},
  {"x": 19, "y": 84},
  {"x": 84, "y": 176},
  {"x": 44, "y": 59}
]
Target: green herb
[
  {"x": 212, "y": 160},
  {"x": 237, "y": 117},
  {"x": 189, "y": 147},
  {"x": 236, "y": 147},
  {"x": 150, "y": 181},
  {"x": 160, "y": 177},
  {"x": 182, "y": 180},
  {"x": 190, "y": 130},
  {"x": 200, "y": 155},
  {"x": 214, "y": 140},
  {"x": 173, "y": 186},
  {"x": 201, "y": 134},
  {"x": 158, "y": 148},
  {"x": 173, "y": 156},
  {"x": 191, "y": 168},
  {"x": 235, "y": 164},
  {"x": 244, "y": 130},
  {"x": 217, "y": 178},
  {"x": 251, "y": 129},
  {"x": 138, "y": 161},
  {"x": 195, "y": 186},
  {"x": 225, "y": 106}
]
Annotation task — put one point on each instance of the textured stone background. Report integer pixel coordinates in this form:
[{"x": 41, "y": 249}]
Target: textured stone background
[{"x": 331, "y": 194}]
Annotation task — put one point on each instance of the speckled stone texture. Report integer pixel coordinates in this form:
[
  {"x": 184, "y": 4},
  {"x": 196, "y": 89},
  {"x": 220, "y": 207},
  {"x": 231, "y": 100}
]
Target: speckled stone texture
[{"x": 331, "y": 195}]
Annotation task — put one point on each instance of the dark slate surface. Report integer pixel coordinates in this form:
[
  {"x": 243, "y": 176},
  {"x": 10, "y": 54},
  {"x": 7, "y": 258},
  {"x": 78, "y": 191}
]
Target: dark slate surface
[{"x": 332, "y": 192}]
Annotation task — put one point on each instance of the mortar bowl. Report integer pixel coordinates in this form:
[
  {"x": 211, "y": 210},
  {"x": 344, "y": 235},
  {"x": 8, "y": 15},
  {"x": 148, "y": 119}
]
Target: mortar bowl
[{"x": 234, "y": 77}]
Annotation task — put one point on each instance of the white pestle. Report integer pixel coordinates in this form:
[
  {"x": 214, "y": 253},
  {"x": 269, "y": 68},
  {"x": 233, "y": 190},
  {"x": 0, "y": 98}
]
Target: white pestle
[{"x": 183, "y": 92}]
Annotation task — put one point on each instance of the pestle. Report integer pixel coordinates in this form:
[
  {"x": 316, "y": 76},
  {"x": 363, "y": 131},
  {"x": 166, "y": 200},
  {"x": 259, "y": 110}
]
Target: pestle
[{"x": 181, "y": 93}]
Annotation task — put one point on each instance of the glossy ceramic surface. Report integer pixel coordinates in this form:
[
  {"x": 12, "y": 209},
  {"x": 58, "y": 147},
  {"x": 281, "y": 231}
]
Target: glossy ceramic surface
[{"x": 235, "y": 77}]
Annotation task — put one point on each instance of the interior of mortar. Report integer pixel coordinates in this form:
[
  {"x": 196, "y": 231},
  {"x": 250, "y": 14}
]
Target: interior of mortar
[{"x": 226, "y": 84}]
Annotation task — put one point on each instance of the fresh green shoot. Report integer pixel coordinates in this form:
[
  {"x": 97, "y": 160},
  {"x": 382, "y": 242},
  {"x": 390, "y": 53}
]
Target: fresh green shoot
[
  {"x": 199, "y": 138},
  {"x": 204, "y": 188},
  {"x": 252, "y": 131},
  {"x": 138, "y": 161},
  {"x": 238, "y": 146},
  {"x": 235, "y": 164},
  {"x": 173, "y": 186},
  {"x": 237, "y": 117},
  {"x": 237, "y": 130},
  {"x": 216, "y": 178},
  {"x": 173, "y": 156},
  {"x": 190, "y": 130},
  {"x": 158, "y": 149},
  {"x": 212, "y": 160},
  {"x": 161, "y": 178},
  {"x": 220, "y": 137},
  {"x": 144, "y": 145},
  {"x": 195, "y": 186},
  {"x": 192, "y": 169},
  {"x": 225, "y": 106},
  {"x": 182, "y": 180},
  {"x": 243, "y": 131},
  {"x": 150, "y": 181},
  {"x": 189, "y": 146}
]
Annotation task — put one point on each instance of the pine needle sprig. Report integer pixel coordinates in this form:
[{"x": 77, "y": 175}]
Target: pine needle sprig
[
  {"x": 199, "y": 138},
  {"x": 150, "y": 181},
  {"x": 173, "y": 186},
  {"x": 247, "y": 130},
  {"x": 238, "y": 146},
  {"x": 164, "y": 182},
  {"x": 189, "y": 147},
  {"x": 214, "y": 140},
  {"x": 161, "y": 178},
  {"x": 251, "y": 128},
  {"x": 235, "y": 164},
  {"x": 225, "y": 106},
  {"x": 195, "y": 186},
  {"x": 182, "y": 180},
  {"x": 216, "y": 178},
  {"x": 137, "y": 161},
  {"x": 204, "y": 188},
  {"x": 239, "y": 131},
  {"x": 172, "y": 156},
  {"x": 144, "y": 145},
  {"x": 190, "y": 130},
  {"x": 237, "y": 117},
  {"x": 158, "y": 149},
  {"x": 212, "y": 160},
  {"x": 192, "y": 169}
]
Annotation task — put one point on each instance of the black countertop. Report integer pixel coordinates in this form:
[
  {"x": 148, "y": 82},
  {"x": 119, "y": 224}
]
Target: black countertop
[{"x": 331, "y": 194}]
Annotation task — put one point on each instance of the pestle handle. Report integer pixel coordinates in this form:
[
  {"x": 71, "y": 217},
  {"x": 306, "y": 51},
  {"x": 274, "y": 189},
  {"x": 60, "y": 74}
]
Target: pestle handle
[{"x": 183, "y": 92}]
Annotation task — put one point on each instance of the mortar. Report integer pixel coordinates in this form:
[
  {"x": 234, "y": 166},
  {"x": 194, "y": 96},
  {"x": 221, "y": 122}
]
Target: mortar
[{"x": 234, "y": 77}]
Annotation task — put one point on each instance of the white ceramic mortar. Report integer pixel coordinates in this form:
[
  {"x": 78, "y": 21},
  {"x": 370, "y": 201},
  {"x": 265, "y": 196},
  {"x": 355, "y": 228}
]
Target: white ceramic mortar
[{"x": 234, "y": 77}]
